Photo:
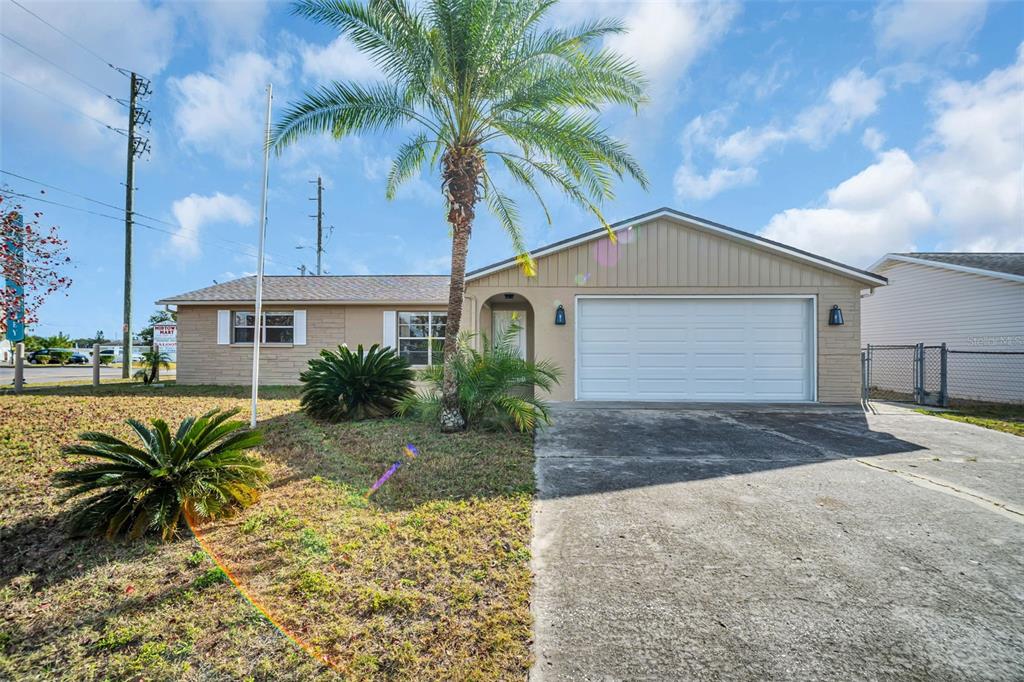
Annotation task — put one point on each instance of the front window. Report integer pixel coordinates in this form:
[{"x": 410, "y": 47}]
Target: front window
[
  {"x": 421, "y": 337},
  {"x": 277, "y": 327}
]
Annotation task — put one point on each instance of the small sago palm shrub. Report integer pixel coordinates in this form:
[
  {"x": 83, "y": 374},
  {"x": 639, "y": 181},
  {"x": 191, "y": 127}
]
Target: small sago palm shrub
[
  {"x": 347, "y": 385},
  {"x": 152, "y": 361},
  {"x": 202, "y": 471},
  {"x": 497, "y": 388}
]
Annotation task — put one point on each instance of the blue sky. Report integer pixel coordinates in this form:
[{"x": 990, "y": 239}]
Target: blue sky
[{"x": 849, "y": 129}]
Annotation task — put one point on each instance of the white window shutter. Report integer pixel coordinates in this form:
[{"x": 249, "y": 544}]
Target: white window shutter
[
  {"x": 223, "y": 327},
  {"x": 299, "y": 320},
  {"x": 390, "y": 336}
]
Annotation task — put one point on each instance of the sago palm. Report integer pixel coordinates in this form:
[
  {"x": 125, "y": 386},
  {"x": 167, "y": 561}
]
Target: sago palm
[
  {"x": 478, "y": 82},
  {"x": 496, "y": 386},
  {"x": 346, "y": 385},
  {"x": 201, "y": 471}
]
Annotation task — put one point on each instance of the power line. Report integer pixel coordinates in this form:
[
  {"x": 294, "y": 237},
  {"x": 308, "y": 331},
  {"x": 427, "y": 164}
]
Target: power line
[
  {"x": 102, "y": 203},
  {"x": 119, "y": 131},
  {"x": 143, "y": 225},
  {"x": 73, "y": 40},
  {"x": 61, "y": 68}
]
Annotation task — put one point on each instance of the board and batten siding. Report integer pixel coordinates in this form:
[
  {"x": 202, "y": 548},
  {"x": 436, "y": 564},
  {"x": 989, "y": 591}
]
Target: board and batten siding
[
  {"x": 931, "y": 305},
  {"x": 202, "y": 360},
  {"x": 668, "y": 257}
]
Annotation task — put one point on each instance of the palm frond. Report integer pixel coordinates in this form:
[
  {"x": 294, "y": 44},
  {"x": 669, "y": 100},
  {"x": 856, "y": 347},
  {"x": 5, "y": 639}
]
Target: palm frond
[{"x": 130, "y": 491}]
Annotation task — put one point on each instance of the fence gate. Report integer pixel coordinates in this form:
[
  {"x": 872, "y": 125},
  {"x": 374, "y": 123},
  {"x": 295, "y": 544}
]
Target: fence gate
[{"x": 905, "y": 373}]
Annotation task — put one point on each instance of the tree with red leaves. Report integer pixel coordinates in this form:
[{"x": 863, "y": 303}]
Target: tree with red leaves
[{"x": 33, "y": 257}]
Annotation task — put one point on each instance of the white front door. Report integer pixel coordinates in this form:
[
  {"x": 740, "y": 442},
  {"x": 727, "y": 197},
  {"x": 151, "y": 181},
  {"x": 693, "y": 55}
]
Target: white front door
[
  {"x": 501, "y": 320},
  {"x": 702, "y": 349}
]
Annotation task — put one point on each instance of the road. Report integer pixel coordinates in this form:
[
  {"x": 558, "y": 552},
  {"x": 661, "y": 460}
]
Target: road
[{"x": 70, "y": 373}]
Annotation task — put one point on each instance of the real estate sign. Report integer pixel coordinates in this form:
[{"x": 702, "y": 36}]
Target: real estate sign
[{"x": 165, "y": 337}]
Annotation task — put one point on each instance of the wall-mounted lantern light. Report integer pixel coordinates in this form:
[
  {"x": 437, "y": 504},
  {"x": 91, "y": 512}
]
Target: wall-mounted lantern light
[
  {"x": 835, "y": 316},
  {"x": 560, "y": 315}
]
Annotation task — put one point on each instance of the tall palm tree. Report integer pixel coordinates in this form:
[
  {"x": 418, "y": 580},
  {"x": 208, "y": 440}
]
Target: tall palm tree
[{"x": 478, "y": 81}]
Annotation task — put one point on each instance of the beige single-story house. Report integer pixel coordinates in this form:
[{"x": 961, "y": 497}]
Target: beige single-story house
[{"x": 677, "y": 308}]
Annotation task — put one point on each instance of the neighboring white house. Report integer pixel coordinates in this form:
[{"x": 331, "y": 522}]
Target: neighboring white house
[{"x": 969, "y": 301}]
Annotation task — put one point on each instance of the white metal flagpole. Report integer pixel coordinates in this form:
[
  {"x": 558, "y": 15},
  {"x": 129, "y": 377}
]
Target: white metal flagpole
[{"x": 258, "y": 331}]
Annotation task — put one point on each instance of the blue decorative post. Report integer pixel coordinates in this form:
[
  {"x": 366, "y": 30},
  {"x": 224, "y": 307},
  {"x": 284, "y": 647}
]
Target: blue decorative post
[{"x": 15, "y": 245}]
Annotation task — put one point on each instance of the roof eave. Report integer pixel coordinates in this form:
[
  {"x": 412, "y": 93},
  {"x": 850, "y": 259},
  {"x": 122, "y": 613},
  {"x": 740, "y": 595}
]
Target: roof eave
[
  {"x": 869, "y": 278},
  {"x": 946, "y": 266},
  {"x": 266, "y": 302}
]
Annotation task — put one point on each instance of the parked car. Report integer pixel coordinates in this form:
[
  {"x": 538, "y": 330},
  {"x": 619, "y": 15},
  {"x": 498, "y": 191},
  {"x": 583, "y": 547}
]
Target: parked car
[
  {"x": 53, "y": 354},
  {"x": 78, "y": 359},
  {"x": 115, "y": 356}
]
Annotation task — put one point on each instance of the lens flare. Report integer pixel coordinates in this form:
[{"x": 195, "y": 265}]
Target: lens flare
[
  {"x": 302, "y": 644},
  {"x": 582, "y": 278}
]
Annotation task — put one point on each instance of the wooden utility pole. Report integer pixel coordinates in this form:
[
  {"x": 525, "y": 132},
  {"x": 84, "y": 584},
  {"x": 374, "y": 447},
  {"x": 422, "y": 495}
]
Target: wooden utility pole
[
  {"x": 319, "y": 223},
  {"x": 129, "y": 206},
  {"x": 136, "y": 146}
]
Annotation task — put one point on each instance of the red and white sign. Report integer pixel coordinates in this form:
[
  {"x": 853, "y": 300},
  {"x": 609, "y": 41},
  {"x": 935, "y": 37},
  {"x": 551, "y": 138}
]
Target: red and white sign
[{"x": 165, "y": 337}]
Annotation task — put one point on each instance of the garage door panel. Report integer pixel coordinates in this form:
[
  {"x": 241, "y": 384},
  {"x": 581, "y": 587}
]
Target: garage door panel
[{"x": 721, "y": 349}]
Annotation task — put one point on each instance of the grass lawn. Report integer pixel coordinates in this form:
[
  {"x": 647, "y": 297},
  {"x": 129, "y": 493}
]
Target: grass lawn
[
  {"x": 1008, "y": 418},
  {"x": 428, "y": 580}
]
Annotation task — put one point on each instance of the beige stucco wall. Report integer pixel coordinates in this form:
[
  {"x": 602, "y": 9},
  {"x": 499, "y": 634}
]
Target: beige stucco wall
[
  {"x": 201, "y": 360},
  {"x": 667, "y": 258}
]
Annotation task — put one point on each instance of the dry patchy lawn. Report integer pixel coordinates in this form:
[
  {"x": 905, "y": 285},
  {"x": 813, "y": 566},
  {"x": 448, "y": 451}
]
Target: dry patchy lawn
[{"x": 429, "y": 580}]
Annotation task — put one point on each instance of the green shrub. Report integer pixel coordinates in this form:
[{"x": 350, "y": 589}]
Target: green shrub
[
  {"x": 106, "y": 359},
  {"x": 201, "y": 472},
  {"x": 59, "y": 357},
  {"x": 152, "y": 361},
  {"x": 42, "y": 359},
  {"x": 344, "y": 385},
  {"x": 497, "y": 388}
]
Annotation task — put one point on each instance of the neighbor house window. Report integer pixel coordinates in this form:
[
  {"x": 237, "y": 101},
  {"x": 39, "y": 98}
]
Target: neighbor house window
[
  {"x": 277, "y": 327},
  {"x": 421, "y": 337}
]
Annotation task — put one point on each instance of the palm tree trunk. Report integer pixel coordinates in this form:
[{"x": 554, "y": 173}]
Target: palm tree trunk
[{"x": 461, "y": 170}]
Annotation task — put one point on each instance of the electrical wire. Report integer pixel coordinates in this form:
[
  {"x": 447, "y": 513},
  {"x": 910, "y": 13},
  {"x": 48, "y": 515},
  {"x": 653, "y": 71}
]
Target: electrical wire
[
  {"x": 142, "y": 225},
  {"x": 119, "y": 131},
  {"x": 72, "y": 39},
  {"x": 61, "y": 68}
]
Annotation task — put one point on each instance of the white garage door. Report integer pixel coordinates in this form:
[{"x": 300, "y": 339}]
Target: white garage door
[{"x": 713, "y": 349}]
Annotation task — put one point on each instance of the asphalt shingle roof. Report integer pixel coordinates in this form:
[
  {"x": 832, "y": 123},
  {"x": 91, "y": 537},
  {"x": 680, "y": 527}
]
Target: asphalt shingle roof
[
  {"x": 325, "y": 289},
  {"x": 1009, "y": 263}
]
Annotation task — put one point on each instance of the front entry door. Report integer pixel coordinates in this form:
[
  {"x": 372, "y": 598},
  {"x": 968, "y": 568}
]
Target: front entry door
[{"x": 501, "y": 320}]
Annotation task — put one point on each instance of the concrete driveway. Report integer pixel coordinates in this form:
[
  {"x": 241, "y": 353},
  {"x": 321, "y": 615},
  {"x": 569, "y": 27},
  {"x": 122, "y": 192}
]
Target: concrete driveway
[{"x": 716, "y": 542}]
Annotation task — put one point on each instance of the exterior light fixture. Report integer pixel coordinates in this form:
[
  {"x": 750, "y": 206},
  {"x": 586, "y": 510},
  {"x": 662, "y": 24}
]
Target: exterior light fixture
[
  {"x": 835, "y": 316},
  {"x": 560, "y": 315},
  {"x": 509, "y": 297}
]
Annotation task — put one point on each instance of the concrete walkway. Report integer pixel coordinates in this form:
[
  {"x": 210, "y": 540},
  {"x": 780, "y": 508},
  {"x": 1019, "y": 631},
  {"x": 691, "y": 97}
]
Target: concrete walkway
[{"x": 724, "y": 542}]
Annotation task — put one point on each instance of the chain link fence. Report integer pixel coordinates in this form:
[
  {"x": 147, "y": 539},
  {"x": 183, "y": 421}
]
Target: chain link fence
[{"x": 937, "y": 375}]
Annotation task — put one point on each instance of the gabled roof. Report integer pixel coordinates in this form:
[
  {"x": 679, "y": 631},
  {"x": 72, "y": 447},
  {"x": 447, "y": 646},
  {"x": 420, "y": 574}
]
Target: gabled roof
[
  {"x": 1006, "y": 265},
  {"x": 864, "y": 276},
  {"x": 357, "y": 289}
]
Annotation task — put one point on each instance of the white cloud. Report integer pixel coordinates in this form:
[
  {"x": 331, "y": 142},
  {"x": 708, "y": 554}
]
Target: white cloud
[
  {"x": 873, "y": 139},
  {"x": 228, "y": 23},
  {"x": 875, "y": 211},
  {"x": 689, "y": 184},
  {"x": 850, "y": 99},
  {"x": 920, "y": 26},
  {"x": 339, "y": 60},
  {"x": 195, "y": 211},
  {"x": 665, "y": 38},
  {"x": 965, "y": 192},
  {"x": 223, "y": 111},
  {"x": 146, "y": 48}
]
